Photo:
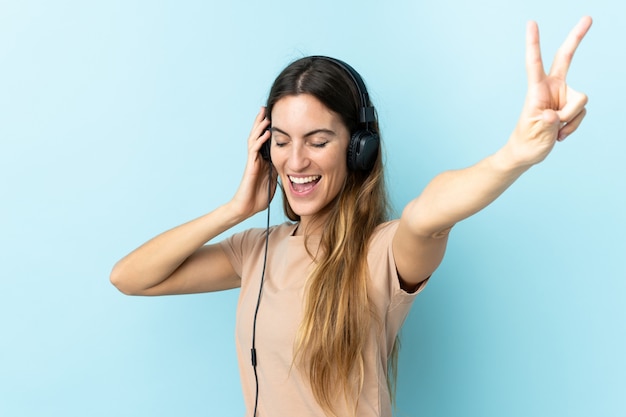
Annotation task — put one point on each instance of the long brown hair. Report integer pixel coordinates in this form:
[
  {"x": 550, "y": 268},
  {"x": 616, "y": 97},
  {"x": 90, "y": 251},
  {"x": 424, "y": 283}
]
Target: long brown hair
[{"x": 338, "y": 315}]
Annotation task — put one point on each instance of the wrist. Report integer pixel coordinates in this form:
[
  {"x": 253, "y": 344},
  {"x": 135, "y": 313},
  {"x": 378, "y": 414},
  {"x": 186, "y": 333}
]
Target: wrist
[
  {"x": 233, "y": 213},
  {"x": 509, "y": 161}
]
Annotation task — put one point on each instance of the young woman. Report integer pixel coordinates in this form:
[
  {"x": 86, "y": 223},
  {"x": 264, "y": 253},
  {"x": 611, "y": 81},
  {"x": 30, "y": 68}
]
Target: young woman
[{"x": 323, "y": 297}]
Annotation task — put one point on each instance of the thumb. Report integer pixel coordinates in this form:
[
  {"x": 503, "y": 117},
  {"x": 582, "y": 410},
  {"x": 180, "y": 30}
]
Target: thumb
[
  {"x": 576, "y": 102},
  {"x": 550, "y": 118}
]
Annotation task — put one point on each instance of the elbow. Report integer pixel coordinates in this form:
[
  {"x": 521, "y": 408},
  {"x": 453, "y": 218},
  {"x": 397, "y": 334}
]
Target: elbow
[
  {"x": 443, "y": 233},
  {"x": 424, "y": 222},
  {"x": 121, "y": 280}
]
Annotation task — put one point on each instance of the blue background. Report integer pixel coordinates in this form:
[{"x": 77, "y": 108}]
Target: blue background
[{"x": 120, "y": 119}]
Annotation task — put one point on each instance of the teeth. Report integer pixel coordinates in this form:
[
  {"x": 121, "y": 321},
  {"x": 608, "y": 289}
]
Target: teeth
[{"x": 303, "y": 180}]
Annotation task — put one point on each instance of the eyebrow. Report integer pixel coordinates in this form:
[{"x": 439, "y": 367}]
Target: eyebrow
[{"x": 306, "y": 135}]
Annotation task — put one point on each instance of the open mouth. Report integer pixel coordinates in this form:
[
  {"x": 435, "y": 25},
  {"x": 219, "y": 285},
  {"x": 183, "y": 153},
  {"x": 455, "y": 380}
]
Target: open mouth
[{"x": 304, "y": 184}]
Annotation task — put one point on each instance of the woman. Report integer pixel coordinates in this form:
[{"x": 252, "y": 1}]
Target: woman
[{"x": 322, "y": 312}]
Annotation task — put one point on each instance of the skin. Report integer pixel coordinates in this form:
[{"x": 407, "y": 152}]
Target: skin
[
  {"x": 551, "y": 112},
  {"x": 179, "y": 261},
  {"x": 309, "y": 140}
]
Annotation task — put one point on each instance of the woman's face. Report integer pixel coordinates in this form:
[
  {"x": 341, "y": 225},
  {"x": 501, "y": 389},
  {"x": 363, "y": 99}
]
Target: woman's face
[{"x": 309, "y": 147}]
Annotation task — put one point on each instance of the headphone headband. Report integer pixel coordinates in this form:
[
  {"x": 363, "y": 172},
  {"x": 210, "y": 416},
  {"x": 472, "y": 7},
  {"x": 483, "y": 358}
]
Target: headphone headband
[
  {"x": 366, "y": 112},
  {"x": 364, "y": 143}
]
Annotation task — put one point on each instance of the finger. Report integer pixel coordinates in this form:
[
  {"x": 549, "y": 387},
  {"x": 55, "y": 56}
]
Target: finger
[
  {"x": 574, "y": 104},
  {"x": 571, "y": 126},
  {"x": 534, "y": 64},
  {"x": 259, "y": 126},
  {"x": 565, "y": 53},
  {"x": 257, "y": 143},
  {"x": 257, "y": 148}
]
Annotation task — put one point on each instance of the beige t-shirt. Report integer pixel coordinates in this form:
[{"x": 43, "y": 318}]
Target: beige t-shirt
[{"x": 283, "y": 390}]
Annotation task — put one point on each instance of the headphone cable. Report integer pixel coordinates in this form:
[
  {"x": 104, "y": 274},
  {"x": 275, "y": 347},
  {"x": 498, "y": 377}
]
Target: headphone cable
[{"x": 258, "y": 302}]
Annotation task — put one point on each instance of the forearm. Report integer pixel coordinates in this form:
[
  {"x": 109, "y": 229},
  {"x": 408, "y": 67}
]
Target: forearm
[
  {"x": 156, "y": 260},
  {"x": 178, "y": 261},
  {"x": 456, "y": 195}
]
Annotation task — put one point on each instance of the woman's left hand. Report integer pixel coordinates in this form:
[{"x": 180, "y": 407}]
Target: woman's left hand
[{"x": 553, "y": 110}]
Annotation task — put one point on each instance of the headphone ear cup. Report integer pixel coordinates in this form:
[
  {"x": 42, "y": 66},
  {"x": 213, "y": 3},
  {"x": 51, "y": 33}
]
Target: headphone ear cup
[
  {"x": 363, "y": 150},
  {"x": 265, "y": 150}
]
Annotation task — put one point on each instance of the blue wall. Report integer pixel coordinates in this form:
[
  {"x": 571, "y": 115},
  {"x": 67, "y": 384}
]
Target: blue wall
[{"x": 120, "y": 119}]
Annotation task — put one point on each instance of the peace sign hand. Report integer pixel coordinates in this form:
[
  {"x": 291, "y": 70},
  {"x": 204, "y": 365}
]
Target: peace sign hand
[{"x": 553, "y": 110}]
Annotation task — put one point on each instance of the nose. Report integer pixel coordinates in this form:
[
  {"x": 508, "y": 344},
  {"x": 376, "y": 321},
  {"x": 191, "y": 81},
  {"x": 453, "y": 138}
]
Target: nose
[{"x": 298, "y": 158}]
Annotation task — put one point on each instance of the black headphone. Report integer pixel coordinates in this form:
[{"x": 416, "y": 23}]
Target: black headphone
[{"x": 364, "y": 143}]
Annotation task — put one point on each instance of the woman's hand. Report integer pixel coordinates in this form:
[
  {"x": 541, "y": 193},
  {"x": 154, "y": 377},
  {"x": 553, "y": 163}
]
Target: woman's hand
[
  {"x": 178, "y": 261},
  {"x": 553, "y": 110},
  {"x": 252, "y": 195}
]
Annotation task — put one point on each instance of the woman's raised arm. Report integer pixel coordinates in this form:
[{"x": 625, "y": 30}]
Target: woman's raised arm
[
  {"x": 176, "y": 261},
  {"x": 551, "y": 112}
]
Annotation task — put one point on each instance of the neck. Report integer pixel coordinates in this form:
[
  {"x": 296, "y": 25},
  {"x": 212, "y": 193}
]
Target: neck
[{"x": 311, "y": 225}]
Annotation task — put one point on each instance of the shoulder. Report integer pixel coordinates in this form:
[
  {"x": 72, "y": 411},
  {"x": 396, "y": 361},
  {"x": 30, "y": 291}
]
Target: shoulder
[
  {"x": 254, "y": 235},
  {"x": 250, "y": 243},
  {"x": 379, "y": 251},
  {"x": 384, "y": 232}
]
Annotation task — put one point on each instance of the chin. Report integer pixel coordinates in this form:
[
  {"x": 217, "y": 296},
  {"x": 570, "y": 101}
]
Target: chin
[{"x": 305, "y": 211}]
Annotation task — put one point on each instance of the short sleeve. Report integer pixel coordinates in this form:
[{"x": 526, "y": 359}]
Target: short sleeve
[
  {"x": 382, "y": 264},
  {"x": 238, "y": 245}
]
